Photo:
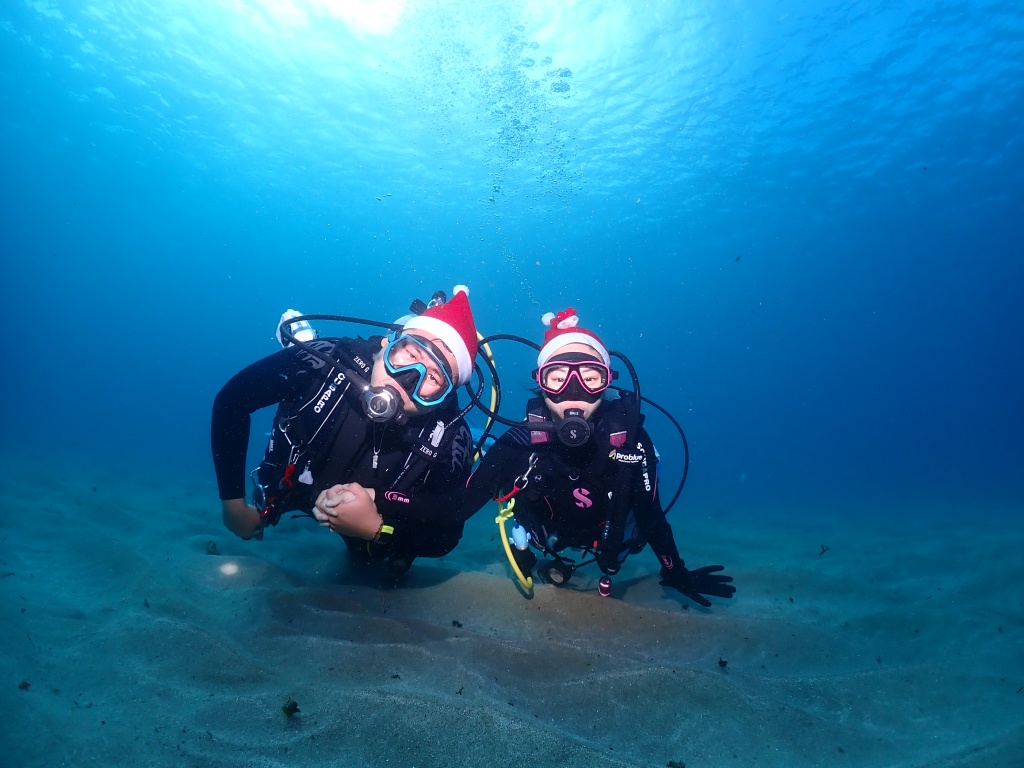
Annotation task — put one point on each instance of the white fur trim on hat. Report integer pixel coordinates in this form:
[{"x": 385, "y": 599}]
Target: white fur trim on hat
[
  {"x": 438, "y": 329},
  {"x": 572, "y": 337}
]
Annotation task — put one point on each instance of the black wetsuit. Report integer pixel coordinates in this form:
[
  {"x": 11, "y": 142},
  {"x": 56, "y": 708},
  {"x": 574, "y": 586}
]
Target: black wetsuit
[
  {"x": 568, "y": 491},
  {"x": 322, "y": 437}
]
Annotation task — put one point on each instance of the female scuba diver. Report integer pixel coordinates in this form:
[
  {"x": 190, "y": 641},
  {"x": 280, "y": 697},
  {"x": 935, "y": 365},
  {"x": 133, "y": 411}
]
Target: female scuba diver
[{"x": 582, "y": 472}]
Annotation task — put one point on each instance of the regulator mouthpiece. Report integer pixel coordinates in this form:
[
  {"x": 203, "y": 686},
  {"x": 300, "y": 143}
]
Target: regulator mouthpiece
[
  {"x": 573, "y": 430},
  {"x": 381, "y": 404}
]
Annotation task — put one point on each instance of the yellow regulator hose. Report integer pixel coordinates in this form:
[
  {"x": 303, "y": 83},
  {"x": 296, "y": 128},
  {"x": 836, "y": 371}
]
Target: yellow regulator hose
[{"x": 504, "y": 513}]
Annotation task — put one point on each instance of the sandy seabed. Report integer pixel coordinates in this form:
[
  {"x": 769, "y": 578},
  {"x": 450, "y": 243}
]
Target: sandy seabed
[{"x": 137, "y": 632}]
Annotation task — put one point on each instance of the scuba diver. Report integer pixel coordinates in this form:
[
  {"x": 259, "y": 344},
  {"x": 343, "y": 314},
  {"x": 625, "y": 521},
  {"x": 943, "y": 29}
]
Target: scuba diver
[
  {"x": 581, "y": 472},
  {"x": 363, "y": 428}
]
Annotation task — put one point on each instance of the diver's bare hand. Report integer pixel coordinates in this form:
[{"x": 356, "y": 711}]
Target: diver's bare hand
[{"x": 242, "y": 519}]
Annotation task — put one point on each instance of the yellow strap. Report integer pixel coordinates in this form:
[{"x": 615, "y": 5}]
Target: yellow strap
[{"x": 384, "y": 528}]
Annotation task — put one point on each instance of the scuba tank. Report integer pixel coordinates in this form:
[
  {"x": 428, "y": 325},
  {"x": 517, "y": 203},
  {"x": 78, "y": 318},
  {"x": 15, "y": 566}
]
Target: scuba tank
[{"x": 300, "y": 330}]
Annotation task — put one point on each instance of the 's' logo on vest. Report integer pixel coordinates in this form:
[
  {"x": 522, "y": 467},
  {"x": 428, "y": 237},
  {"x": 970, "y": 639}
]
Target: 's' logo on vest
[{"x": 582, "y": 496}]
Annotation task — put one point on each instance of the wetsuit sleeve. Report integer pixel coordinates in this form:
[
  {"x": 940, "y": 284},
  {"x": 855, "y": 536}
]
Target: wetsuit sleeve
[
  {"x": 495, "y": 475},
  {"x": 266, "y": 382},
  {"x": 453, "y": 503},
  {"x": 647, "y": 507}
]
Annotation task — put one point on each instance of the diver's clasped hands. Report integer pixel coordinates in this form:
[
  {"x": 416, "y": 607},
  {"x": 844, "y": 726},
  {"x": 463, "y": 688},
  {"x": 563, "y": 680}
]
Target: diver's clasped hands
[
  {"x": 699, "y": 582},
  {"x": 348, "y": 509}
]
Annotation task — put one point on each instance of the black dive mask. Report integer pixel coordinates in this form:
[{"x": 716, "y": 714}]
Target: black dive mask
[
  {"x": 576, "y": 376},
  {"x": 408, "y": 380},
  {"x": 419, "y": 367}
]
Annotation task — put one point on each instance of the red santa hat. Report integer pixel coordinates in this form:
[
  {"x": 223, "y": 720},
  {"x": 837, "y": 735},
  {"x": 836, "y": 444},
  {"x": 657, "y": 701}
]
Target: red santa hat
[
  {"x": 452, "y": 323},
  {"x": 563, "y": 329}
]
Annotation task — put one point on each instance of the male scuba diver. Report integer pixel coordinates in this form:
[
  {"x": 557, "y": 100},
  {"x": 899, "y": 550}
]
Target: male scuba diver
[
  {"x": 582, "y": 472},
  {"x": 365, "y": 426}
]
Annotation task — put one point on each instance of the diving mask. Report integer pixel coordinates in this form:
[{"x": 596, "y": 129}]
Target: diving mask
[
  {"x": 420, "y": 368},
  {"x": 574, "y": 376}
]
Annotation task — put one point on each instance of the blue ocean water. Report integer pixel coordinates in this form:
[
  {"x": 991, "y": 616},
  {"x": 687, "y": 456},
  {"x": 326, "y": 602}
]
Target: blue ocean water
[{"x": 800, "y": 220}]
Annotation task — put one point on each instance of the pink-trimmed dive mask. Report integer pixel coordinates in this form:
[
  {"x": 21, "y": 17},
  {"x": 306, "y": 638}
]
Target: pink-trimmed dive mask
[{"x": 574, "y": 376}]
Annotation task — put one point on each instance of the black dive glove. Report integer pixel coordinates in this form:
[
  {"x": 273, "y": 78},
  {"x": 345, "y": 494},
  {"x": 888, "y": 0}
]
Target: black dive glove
[{"x": 699, "y": 582}]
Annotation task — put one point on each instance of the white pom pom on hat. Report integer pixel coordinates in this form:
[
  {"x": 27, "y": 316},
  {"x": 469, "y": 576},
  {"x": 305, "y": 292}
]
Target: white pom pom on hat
[{"x": 563, "y": 329}]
